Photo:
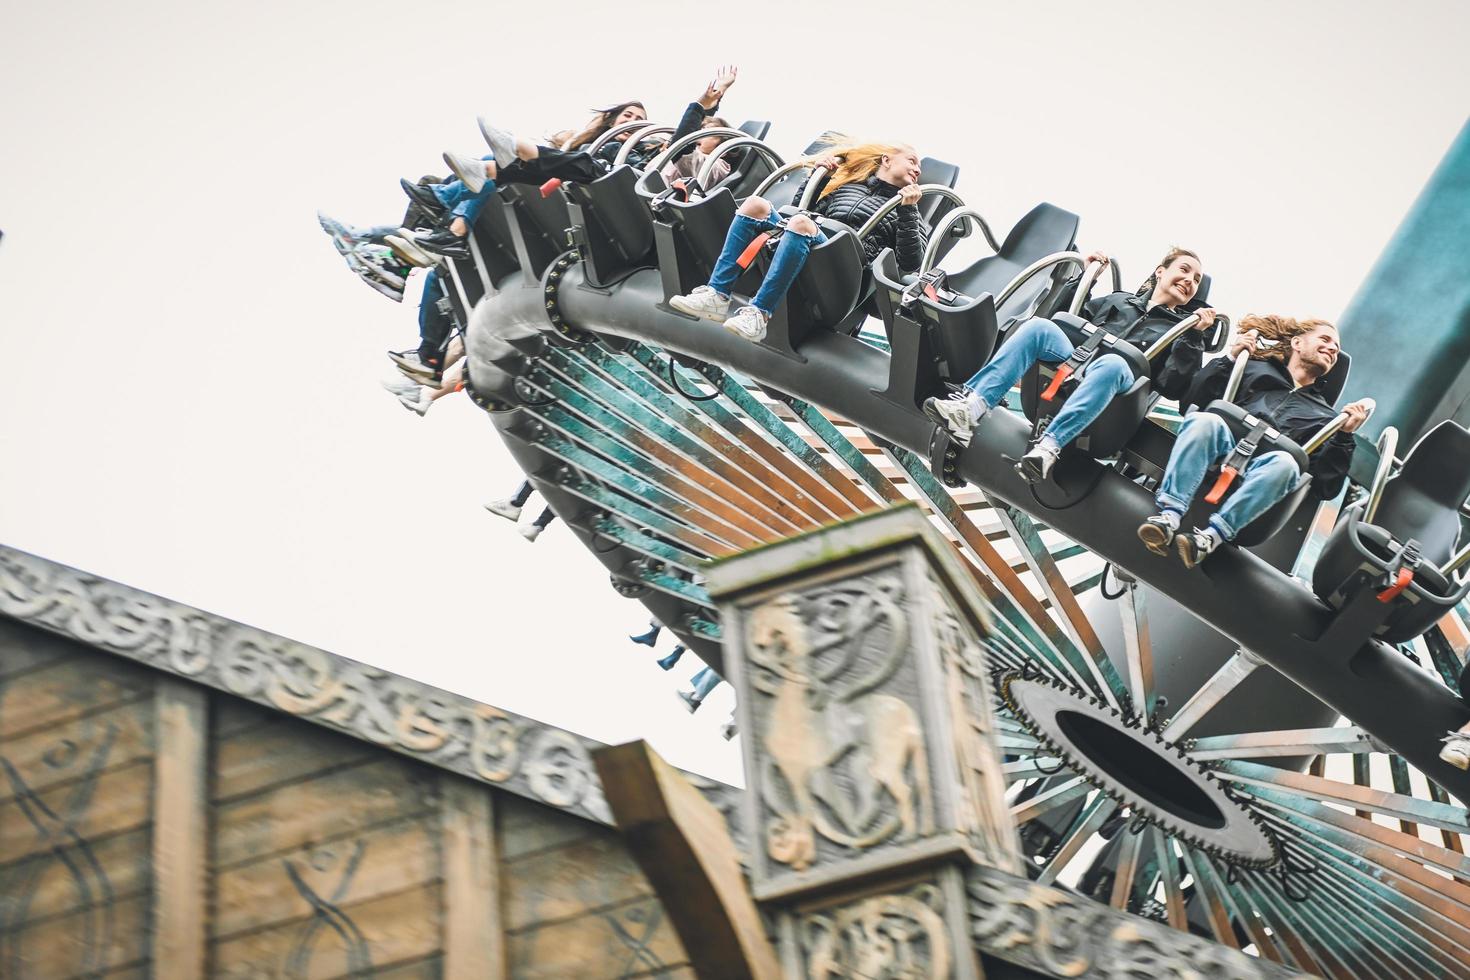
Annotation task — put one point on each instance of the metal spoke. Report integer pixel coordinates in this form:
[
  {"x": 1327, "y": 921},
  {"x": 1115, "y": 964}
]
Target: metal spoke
[
  {"x": 1298, "y": 741},
  {"x": 1034, "y": 768},
  {"x": 1048, "y": 575},
  {"x": 1088, "y": 822},
  {"x": 1212, "y": 899},
  {"x": 1049, "y": 799},
  {"x": 1240, "y": 666},
  {"x": 1245, "y": 913},
  {"x": 1169, "y": 874},
  {"x": 1139, "y": 649},
  {"x": 1128, "y": 854},
  {"x": 1285, "y": 929},
  {"x": 1378, "y": 801}
]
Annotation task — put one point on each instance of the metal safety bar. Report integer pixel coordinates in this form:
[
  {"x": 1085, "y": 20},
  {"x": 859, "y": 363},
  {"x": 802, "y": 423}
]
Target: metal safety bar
[
  {"x": 1171, "y": 335},
  {"x": 632, "y": 142},
  {"x": 1237, "y": 375},
  {"x": 1043, "y": 263},
  {"x": 662, "y": 160},
  {"x": 613, "y": 132},
  {"x": 1388, "y": 444},
  {"x": 1331, "y": 429},
  {"x": 729, "y": 146},
  {"x": 777, "y": 175},
  {"x": 809, "y": 192},
  {"x": 892, "y": 203},
  {"x": 931, "y": 251},
  {"x": 1090, "y": 275}
]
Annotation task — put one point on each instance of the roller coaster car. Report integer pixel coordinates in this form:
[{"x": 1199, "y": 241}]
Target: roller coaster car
[
  {"x": 538, "y": 225},
  {"x": 1402, "y": 550},
  {"x": 939, "y": 339}
]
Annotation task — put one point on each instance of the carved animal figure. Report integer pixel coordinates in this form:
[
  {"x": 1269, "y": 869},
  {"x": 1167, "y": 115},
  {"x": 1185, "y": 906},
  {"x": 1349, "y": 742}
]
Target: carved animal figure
[{"x": 809, "y": 730}]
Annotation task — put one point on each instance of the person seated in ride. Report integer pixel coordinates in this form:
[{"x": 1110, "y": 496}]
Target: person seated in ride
[
  {"x": 566, "y": 158},
  {"x": 691, "y": 161},
  {"x": 863, "y": 178},
  {"x": 1139, "y": 318},
  {"x": 1282, "y": 385}
]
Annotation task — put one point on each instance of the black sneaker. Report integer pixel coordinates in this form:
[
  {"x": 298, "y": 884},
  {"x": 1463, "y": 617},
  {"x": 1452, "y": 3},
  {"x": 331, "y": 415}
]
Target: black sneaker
[
  {"x": 444, "y": 242},
  {"x": 1195, "y": 547},
  {"x": 424, "y": 198},
  {"x": 1157, "y": 535},
  {"x": 409, "y": 362}
]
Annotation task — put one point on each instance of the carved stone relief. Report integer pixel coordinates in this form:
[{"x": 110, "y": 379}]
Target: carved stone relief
[
  {"x": 840, "y": 758},
  {"x": 899, "y": 936}
]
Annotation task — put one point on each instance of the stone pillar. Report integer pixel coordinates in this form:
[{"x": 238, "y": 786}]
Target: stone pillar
[{"x": 873, "y": 779}]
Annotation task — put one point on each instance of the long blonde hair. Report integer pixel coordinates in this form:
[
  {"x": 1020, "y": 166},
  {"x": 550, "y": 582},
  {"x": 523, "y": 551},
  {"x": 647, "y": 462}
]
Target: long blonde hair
[
  {"x": 1278, "y": 328},
  {"x": 859, "y": 162}
]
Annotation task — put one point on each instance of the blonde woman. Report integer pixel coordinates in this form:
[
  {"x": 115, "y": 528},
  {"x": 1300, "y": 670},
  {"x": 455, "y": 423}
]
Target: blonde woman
[{"x": 864, "y": 177}]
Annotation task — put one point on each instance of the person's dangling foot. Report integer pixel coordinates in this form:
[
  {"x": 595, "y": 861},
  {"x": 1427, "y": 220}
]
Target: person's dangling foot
[
  {"x": 668, "y": 662},
  {"x": 690, "y": 700},
  {"x": 1197, "y": 545},
  {"x": 729, "y": 730},
  {"x": 1456, "y": 750},
  {"x": 342, "y": 239},
  {"x": 532, "y": 531},
  {"x": 417, "y": 369},
  {"x": 505, "y": 508},
  {"x": 469, "y": 169},
  {"x": 502, "y": 142},
  {"x": 704, "y": 303},
  {"x": 381, "y": 262},
  {"x": 1157, "y": 533},
  {"x": 959, "y": 413},
  {"x": 411, "y": 253},
  {"x": 1036, "y": 465},
  {"x": 651, "y": 637},
  {"x": 427, "y": 201},
  {"x": 441, "y": 241},
  {"x": 417, "y": 401},
  {"x": 748, "y": 323}
]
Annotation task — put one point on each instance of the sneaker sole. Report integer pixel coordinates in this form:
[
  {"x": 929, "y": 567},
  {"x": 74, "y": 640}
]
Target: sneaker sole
[
  {"x": 1155, "y": 539},
  {"x": 411, "y": 368},
  {"x": 1030, "y": 470},
  {"x": 1185, "y": 548},
  {"x": 1455, "y": 759},
  {"x": 410, "y": 252},
  {"x": 698, "y": 313},
  {"x": 745, "y": 336}
]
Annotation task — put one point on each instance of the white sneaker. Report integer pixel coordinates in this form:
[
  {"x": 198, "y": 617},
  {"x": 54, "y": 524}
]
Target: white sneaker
[
  {"x": 417, "y": 401},
  {"x": 959, "y": 413},
  {"x": 374, "y": 258},
  {"x": 531, "y": 531},
  {"x": 410, "y": 252},
  {"x": 505, "y": 509},
  {"x": 1036, "y": 465},
  {"x": 1195, "y": 546},
  {"x": 690, "y": 701},
  {"x": 502, "y": 143},
  {"x": 468, "y": 169},
  {"x": 408, "y": 362},
  {"x": 748, "y": 322},
  {"x": 704, "y": 303},
  {"x": 1456, "y": 750},
  {"x": 398, "y": 387}
]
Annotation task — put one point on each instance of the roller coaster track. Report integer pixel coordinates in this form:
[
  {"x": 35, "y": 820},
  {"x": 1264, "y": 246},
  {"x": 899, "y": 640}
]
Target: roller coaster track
[{"x": 664, "y": 442}]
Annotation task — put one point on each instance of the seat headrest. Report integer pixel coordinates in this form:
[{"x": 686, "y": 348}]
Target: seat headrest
[
  {"x": 932, "y": 171},
  {"x": 755, "y": 127},
  {"x": 1439, "y": 464},
  {"x": 1041, "y": 231},
  {"x": 1335, "y": 380}
]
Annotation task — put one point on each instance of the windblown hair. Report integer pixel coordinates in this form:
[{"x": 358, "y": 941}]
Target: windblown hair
[
  {"x": 569, "y": 139},
  {"x": 714, "y": 122},
  {"x": 859, "y": 162},
  {"x": 1153, "y": 277},
  {"x": 1281, "y": 329}
]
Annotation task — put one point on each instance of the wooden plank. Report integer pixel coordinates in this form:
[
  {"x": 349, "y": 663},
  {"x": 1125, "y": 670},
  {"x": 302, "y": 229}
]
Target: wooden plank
[
  {"x": 110, "y": 936},
  {"x": 67, "y": 690},
  {"x": 48, "y": 889},
  {"x": 474, "y": 936},
  {"x": 338, "y": 804},
  {"x": 115, "y": 802},
  {"x": 630, "y": 940},
  {"x": 683, "y": 845},
  {"x": 180, "y": 823},
  {"x": 382, "y": 861},
  {"x": 343, "y": 940},
  {"x": 526, "y": 827},
  {"x": 230, "y": 716},
  {"x": 282, "y": 751},
  {"x": 570, "y": 881},
  {"x": 60, "y": 754}
]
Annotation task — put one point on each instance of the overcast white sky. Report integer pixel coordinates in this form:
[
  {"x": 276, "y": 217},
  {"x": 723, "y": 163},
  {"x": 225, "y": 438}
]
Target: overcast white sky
[{"x": 190, "y": 402}]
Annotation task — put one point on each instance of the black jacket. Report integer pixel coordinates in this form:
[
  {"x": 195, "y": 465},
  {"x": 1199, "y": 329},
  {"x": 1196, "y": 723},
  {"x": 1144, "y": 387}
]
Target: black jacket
[
  {"x": 1268, "y": 392},
  {"x": 1128, "y": 317},
  {"x": 901, "y": 229},
  {"x": 692, "y": 119}
]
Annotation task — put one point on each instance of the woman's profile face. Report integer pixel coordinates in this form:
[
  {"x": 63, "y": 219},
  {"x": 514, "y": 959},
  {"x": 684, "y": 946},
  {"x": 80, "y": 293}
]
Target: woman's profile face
[{"x": 900, "y": 168}]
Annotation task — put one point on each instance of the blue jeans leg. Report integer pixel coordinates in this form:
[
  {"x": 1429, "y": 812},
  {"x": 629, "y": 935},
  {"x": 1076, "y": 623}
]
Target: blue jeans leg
[
  {"x": 470, "y": 207},
  {"x": 1203, "y": 441},
  {"x": 704, "y": 682},
  {"x": 1103, "y": 379},
  {"x": 372, "y": 234},
  {"x": 791, "y": 253},
  {"x": 1268, "y": 478},
  {"x": 1035, "y": 340},
  {"x": 433, "y": 324},
  {"x": 742, "y": 232}
]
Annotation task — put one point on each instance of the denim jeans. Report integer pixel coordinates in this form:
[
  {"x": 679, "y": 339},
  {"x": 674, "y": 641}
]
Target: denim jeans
[
  {"x": 433, "y": 323},
  {"x": 791, "y": 253},
  {"x": 704, "y": 682},
  {"x": 372, "y": 234},
  {"x": 1039, "y": 339},
  {"x": 1206, "y": 440},
  {"x": 460, "y": 201}
]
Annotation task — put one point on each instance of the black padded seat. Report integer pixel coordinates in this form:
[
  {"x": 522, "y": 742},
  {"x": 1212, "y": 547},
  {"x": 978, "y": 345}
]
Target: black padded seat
[
  {"x": 932, "y": 343},
  {"x": 540, "y": 222},
  {"x": 495, "y": 241},
  {"x": 1420, "y": 504},
  {"x": 1111, "y": 430},
  {"x": 1041, "y": 231},
  {"x": 1274, "y": 519},
  {"x": 614, "y": 226},
  {"x": 755, "y": 127}
]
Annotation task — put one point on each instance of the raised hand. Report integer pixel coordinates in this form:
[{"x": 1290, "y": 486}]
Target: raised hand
[{"x": 716, "y": 89}]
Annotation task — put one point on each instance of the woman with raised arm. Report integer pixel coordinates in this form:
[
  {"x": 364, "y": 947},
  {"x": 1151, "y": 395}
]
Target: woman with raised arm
[
  {"x": 863, "y": 178},
  {"x": 1282, "y": 384},
  {"x": 1140, "y": 318}
]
